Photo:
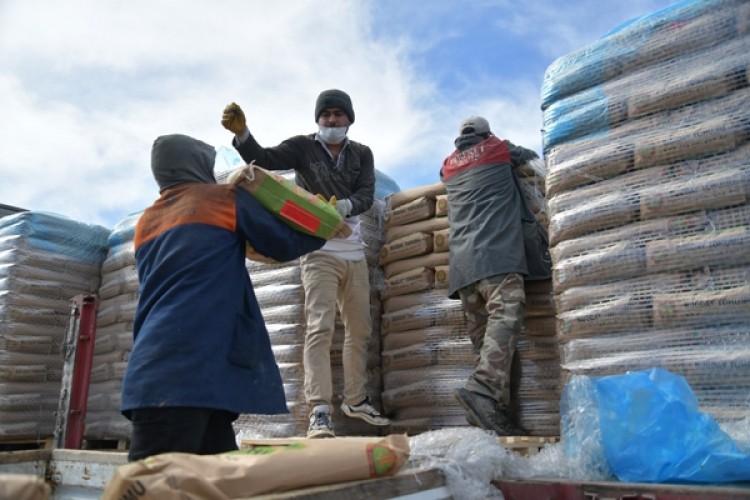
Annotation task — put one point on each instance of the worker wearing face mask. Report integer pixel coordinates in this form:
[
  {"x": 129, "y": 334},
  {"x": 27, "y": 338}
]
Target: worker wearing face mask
[{"x": 338, "y": 169}]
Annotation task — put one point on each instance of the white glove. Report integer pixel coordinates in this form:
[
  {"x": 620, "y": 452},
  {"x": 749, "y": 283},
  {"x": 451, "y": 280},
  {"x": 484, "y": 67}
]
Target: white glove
[{"x": 344, "y": 208}]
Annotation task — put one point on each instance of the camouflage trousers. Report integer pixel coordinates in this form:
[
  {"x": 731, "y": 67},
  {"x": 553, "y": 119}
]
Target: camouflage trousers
[{"x": 494, "y": 311}]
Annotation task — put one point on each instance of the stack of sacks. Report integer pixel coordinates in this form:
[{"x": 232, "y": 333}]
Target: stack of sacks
[
  {"x": 537, "y": 383},
  {"x": 278, "y": 288},
  {"x": 45, "y": 261},
  {"x": 280, "y": 293},
  {"x": 118, "y": 300},
  {"x": 646, "y": 138},
  {"x": 427, "y": 353}
]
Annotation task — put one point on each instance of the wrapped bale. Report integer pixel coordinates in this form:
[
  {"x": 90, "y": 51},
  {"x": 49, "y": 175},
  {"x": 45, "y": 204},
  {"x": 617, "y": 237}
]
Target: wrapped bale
[
  {"x": 45, "y": 261},
  {"x": 647, "y": 135}
]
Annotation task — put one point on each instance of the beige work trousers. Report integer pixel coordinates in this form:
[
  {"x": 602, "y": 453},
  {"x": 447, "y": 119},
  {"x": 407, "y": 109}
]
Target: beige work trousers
[{"x": 331, "y": 282}]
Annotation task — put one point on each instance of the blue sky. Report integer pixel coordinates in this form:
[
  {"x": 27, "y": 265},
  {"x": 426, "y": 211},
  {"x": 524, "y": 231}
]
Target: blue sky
[{"x": 86, "y": 86}]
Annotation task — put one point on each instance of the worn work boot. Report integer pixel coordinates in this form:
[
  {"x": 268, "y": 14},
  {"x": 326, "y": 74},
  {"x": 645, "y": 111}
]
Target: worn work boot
[
  {"x": 320, "y": 423},
  {"x": 480, "y": 410},
  {"x": 365, "y": 411},
  {"x": 504, "y": 425},
  {"x": 484, "y": 413}
]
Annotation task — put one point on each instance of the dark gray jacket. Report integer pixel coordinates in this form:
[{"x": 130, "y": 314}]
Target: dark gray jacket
[{"x": 485, "y": 210}]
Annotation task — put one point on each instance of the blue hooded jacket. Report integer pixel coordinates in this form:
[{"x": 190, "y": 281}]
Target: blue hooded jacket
[{"x": 199, "y": 337}]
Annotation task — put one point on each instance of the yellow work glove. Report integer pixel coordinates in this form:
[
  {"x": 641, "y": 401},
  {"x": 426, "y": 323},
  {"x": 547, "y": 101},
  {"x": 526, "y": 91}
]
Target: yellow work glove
[
  {"x": 233, "y": 118},
  {"x": 331, "y": 202}
]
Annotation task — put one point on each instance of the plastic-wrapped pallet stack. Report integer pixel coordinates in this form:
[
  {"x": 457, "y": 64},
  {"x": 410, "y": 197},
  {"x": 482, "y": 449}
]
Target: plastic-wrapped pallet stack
[
  {"x": 45, "y": 261},
  {"x": 278, "y": 288},
  {"x": 537, "y": 382},
  {"x": 281, "y": 298},
  {"x": 426, "y": 351},
  {"x": 646, "y": 140},
  {"x": 118, "y": 299}
]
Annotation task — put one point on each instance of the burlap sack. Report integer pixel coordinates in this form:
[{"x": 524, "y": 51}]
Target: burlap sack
[
  {"x": 416, "y": 210},
  {"x": 423, "y": 226},
  {"x": 726, "y": 247},
  {"x": 429, "y": 261},
  {"x": 410, "y": 245},
  {"x": 721, "y": 189},
  {"x": 402, "y": 197},
  {"x": 711, "y": 136},
  {"x": 619, "y": 315},
  {"x": 618, "y": 260},
  {"x": 414, "y": 280},
  {"x": 259, "y": 470},
  {"x": 701, "y": 307},
  {"x": 660, "y": 95},
  {"x": 425, "y": 336},
  {"x": 414, "y": 318},
  {"x": 429, "y": 298}
]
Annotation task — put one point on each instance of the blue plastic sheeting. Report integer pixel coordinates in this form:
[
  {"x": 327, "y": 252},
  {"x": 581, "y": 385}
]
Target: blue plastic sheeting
[
  {"x": 124, "y": 230},
  {"x": 652, "y": 431},
  {"x": 571, "y": 118},
  {"x": 384, "y": 185},
  {"x": 645, "y": 426},
  {"x": 638, "y": 43},
  {"x": 56, "y": 234}
]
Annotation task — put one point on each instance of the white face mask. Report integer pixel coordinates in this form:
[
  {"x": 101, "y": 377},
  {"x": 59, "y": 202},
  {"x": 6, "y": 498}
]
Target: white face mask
[{"x": 333, "y": 135}]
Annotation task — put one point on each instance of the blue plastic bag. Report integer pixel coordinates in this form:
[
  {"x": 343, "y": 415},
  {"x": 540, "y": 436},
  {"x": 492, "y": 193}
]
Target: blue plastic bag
[{"x": 652, "y": 431}]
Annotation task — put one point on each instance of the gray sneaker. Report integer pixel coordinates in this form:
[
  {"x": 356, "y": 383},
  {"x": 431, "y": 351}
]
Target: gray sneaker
[
  {"x": 365, "y": 411},
  {"x": 320, "y": 423}
]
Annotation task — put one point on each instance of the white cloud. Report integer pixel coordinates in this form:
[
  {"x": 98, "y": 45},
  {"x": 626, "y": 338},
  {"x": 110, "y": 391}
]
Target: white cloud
[{"x": 86, "y": 86}]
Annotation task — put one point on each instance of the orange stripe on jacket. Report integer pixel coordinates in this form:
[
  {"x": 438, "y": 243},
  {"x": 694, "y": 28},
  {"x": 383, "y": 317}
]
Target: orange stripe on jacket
[{"x": 191, "y": 203}]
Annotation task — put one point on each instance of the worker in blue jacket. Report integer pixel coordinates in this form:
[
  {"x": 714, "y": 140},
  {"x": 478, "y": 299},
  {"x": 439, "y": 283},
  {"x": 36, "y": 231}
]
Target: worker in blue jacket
[{"x": 201, "y": 352}]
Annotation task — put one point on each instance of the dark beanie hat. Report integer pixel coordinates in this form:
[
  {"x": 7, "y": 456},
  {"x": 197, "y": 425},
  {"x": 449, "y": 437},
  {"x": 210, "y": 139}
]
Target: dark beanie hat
[{"x": 334, "y": 98}]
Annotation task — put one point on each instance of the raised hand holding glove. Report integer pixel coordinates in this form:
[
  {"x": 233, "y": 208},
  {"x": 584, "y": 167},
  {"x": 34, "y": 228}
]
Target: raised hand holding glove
[
  {"x": 344, "y": 207},
  {"x": 233, "y": 118}
]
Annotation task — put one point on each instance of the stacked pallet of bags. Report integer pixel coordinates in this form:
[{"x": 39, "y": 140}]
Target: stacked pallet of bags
[
  {"x": 45, "y": 261},
  {"x": 280, "y": 293},
  {"x": 426, "y": 351},
  {"x": 278, "y": 288},
  {"x": 118, "y": 299},
  {"x": 647, "y": 145},
  {"x": 536, "y": 384}
]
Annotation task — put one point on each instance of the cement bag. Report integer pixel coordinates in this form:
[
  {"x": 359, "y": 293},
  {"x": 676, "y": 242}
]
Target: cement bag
[
  {"x": 295, "y": 206},
  {"x": 653, "y": 432},
  {"x": 259, "y": 470},
  {"x": 23, "y": 487}
]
